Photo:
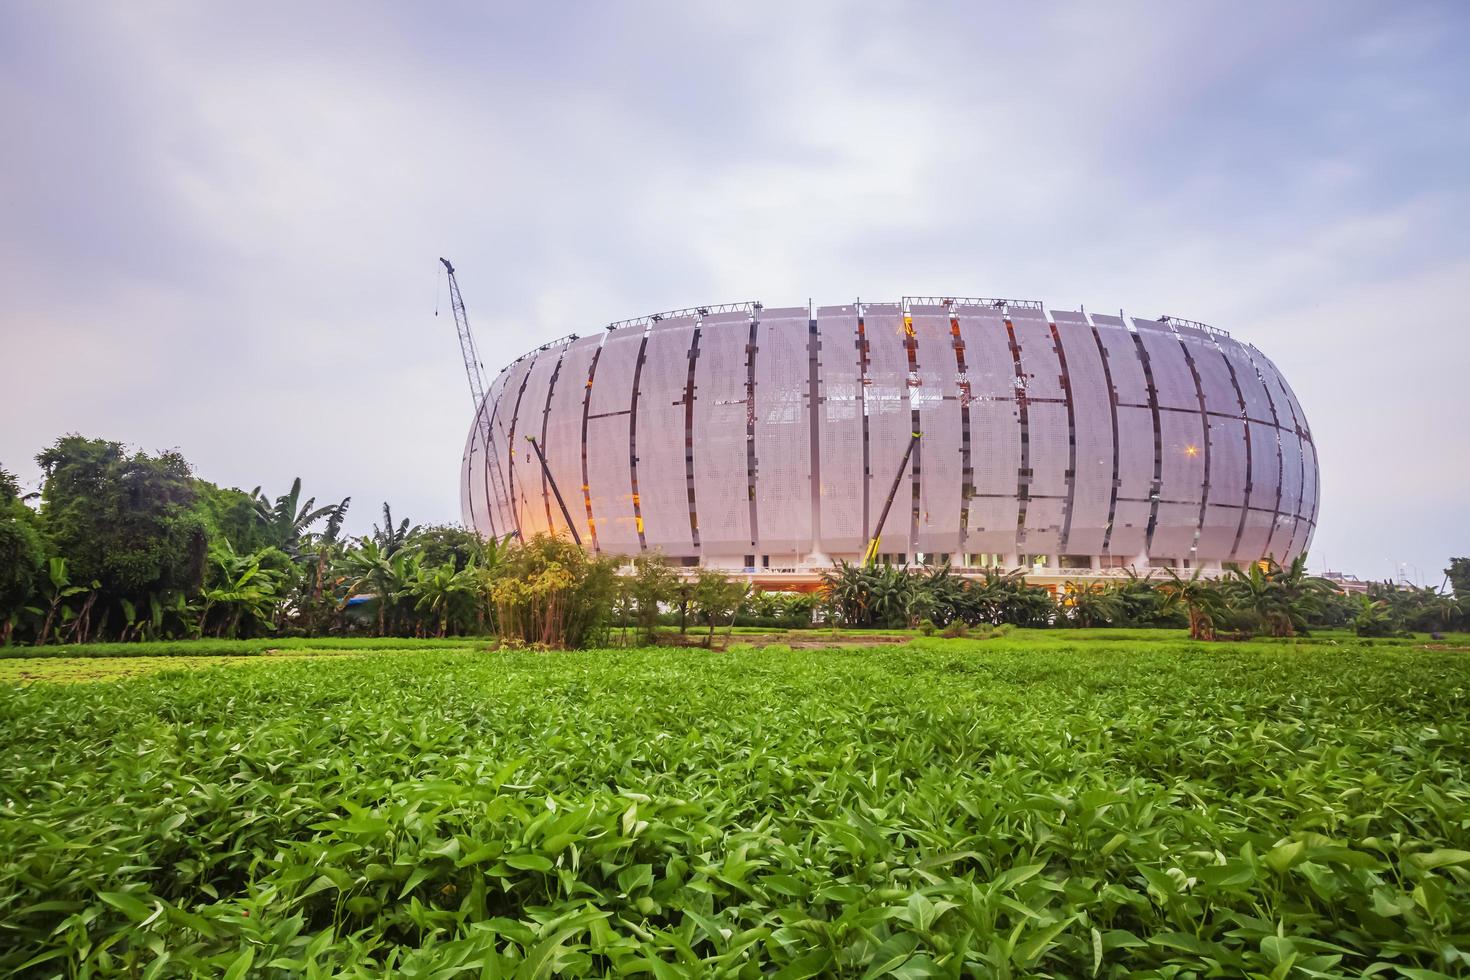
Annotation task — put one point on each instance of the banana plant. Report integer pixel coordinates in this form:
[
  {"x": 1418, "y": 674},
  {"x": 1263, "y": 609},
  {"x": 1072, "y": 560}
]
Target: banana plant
[
  {"x": 56, "y": 588},
  {"x": 445, "y": 594},
  {"x": 245, "y": 593},
  {"x": 287, "y": 521}
]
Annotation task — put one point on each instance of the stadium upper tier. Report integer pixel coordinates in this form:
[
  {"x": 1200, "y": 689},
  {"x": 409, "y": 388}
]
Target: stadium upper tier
[{"x": 748, "y": 436}]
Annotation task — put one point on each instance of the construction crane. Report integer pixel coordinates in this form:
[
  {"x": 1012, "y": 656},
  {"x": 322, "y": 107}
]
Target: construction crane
[
  {"x": 870, "y": 557},
  {"x": 472, "y": 366},
  {"x": 472, "y": 370}
]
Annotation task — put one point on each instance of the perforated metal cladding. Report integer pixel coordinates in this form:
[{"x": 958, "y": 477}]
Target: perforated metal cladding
[
  {"x": 890, "y": 419},
  {"x": 535, "y": 494},
  {"x": 563, "y": 424},
  {"x": 1093, "y": 430},
  {"x": 783, "y": 432},
  {"x": 609, "y": 444},
  {"x": 502, "y": 460},
  {"x": 1141, "y": 438},
  {"x": 995, "y": 433},
  {"x": 937, "y": 398},
  {"x": 662, "y": 485},
  {"x": 840, "y": 430},
  {"x": 721, "y": 477}
]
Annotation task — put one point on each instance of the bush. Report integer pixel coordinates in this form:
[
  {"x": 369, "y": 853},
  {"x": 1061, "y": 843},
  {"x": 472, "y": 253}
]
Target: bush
[
  {"x": 955, "y": 630},
  {"x": 549, "y": 591},
  {"x": 926, "y": 626}
]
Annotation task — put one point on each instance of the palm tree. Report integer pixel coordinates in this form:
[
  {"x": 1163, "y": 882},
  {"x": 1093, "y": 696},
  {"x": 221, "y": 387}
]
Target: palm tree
[
  {"x": 1143, "y": 602},
  {"x": 389, "y": 537},
  {"x": 845, "y": 589},
  {"x": 444, "y": 593},
  {"x": 369, "y": 568},
  {"x": 1091, "y": 604},
  {"x": 1372, "y": 618},
  {"x": 286, "y": 524},
  {"x": 1198, "y": 597},
  {"x": 1281, "y": 599}
]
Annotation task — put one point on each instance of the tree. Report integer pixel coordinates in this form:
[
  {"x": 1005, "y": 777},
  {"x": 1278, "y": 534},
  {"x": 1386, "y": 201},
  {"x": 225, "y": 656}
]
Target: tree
[
  {"x": 1372, "y": 618},
  {"x": 549, "y": 592},
  {"x": 241, "y": 594},
  {"x": 288, "y": 521},
  {"x": 230, "y": 515},
  {"x": 1281, "y": 600},
  {"x": 1459, "y": 577},
  {"x": 22, "y": 556},
  {"x": 56, "y": 588},
  {"x": 1435, "y": 611},
  {"x": 391, "y": 538},
  {"x": 369, "y": 568},
  {"x": 124, "y": 520},
  {"x": 1144, "y": 602},
  {"x": 451, "y": 597},
  {"x": 437, "y": 544},
  {"x": 1199, "y": 599},
  {"x": 653, "y": 583},
  {"x": 1088, "y": 605},
  {"x": 714, "y": 597}
]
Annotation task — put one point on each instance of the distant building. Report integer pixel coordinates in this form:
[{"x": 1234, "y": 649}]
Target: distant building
[
  {"x": 1345, "y": 582},
  {"x": 749, "y": 437}
]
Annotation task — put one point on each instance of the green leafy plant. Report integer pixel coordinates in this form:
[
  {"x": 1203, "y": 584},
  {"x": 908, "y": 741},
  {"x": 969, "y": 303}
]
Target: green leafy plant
[{"x": 1025, "y": 805}]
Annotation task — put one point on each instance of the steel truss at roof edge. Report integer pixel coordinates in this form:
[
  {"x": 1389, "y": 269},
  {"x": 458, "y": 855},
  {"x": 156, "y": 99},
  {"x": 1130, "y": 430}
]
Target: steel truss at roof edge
[
  {"x": 1179, "y": 321},
  {"x": 558, "y": 342},
  {"x": 905, "y": 302},
  {"x": 997, "y": 302},
  {"x": 749, "y": 306}
]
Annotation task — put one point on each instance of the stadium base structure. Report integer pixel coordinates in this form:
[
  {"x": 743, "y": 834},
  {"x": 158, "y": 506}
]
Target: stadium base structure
[{"x": 764, "y": 439}]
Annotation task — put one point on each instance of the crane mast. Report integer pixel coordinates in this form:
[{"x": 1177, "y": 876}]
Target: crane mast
[{"x": 471, "y": 356}]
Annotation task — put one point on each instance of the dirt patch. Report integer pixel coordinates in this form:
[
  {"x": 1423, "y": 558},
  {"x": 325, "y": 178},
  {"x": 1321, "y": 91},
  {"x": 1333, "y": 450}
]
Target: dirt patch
[{"x": 803, "y": 642}]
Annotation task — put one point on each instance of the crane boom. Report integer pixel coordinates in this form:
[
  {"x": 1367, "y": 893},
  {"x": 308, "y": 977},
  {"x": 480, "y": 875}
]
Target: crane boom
[
  {"x": 471, "y": 356},
  {"x": 870, "y": 557}
]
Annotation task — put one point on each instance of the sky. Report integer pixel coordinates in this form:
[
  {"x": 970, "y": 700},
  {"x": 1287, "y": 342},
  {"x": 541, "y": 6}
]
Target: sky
[{"x": 220, "y": 224}]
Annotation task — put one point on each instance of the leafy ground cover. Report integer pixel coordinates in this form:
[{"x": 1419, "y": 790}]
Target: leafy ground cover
[
  {"x": 941, "y": 808},
  {"x": 72, "y": 670},
  {"x": 235, "y": 648}
]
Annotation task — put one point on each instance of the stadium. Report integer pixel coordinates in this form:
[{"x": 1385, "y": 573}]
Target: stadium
[{"x": 773, "y": 440}]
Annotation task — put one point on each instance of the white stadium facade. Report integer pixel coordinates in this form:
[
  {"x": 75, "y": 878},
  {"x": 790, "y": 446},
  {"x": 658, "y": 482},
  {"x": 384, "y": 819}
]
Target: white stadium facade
[{"x": 750, "y": 437}]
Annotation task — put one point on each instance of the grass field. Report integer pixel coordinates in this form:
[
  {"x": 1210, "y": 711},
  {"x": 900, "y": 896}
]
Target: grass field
[{"x": 1051, "y": 804}]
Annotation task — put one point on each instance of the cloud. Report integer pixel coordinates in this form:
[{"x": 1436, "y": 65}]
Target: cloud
[{"x": 220, "y": 230}]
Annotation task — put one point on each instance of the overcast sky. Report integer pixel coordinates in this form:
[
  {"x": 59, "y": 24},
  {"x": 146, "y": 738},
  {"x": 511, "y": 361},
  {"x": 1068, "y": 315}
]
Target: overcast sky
[{"x": 219, "y": 224}]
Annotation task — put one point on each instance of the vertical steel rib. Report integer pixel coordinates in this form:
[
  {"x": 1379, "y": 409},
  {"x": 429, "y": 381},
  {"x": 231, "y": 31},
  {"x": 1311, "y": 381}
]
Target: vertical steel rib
[
  {"x": 1065, "y": 544},
  {"x": 1112, "y": 393},
  {"x": 586, "y": 477},
  {"x": 751, "y": 463},
  {"x": 1156, "y": 487},
  {"x": 689, "y": 395},
  {"x": 1023, "y": 469}
]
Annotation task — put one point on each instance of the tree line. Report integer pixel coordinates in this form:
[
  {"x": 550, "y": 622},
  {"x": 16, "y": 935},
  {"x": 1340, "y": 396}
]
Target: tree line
[
  {"x": 123, "y": 545},
  {"x": 1263, "y": 598}
]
